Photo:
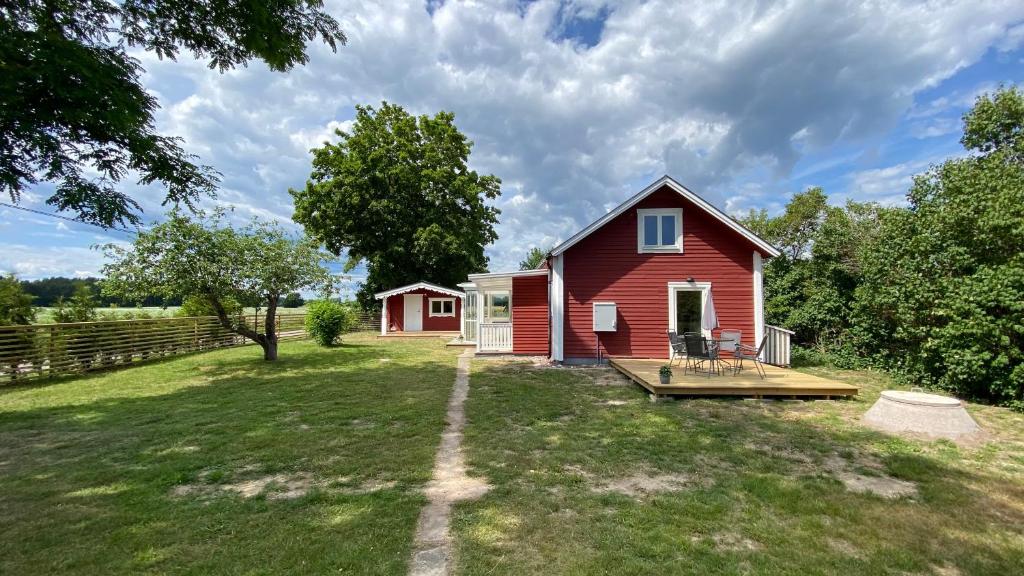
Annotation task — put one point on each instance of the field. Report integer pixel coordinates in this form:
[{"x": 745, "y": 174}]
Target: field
[{"x": 44, "y": 315}]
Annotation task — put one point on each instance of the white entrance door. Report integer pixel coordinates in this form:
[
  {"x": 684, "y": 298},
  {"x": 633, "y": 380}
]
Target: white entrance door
[
  {"x": 686, "y": 307},
  {"x": 413, "y": 312}
]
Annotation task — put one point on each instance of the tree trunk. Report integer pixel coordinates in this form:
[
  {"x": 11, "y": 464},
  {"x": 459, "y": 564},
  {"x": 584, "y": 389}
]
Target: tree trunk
[
  {"x": 270, "y": 329},
  {"x": 269, "y": 345}
]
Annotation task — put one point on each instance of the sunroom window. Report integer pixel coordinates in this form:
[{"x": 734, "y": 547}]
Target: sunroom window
[
  {"x": 496, "y": 307},
  {"x": 660, "y": 230}
]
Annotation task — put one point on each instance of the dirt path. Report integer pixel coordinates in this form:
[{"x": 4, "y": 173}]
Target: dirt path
[{"x": 432, "y": 551}]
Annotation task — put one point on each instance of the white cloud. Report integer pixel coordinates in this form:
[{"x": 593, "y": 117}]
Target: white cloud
[
  {"x": 33, "y": 262},
  {"x": 706, "y": 91}
]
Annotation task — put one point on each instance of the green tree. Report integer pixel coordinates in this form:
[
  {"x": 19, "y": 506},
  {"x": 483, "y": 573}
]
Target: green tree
[
  {"x": 202, "y": 306},
  {"x": 534, "y": 258},
  {"x": 942, "y": 301},
  {"x": 810, "y": 287},
  {"x": 292, "y": 300},
  {"x": 80, "y": 308},
  {"x": 72, "y": 102},
  {"x": 16, "y": 309},
  {"x": 396, "y": 193},
  {"x": 208, "y": 258},
  {"x": 15, "y": 304}
]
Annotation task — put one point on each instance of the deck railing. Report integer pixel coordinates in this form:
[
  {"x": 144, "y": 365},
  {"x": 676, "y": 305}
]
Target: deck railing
[
  {"x": 776, "y": 350},
  {"x": 496, "y": 337}
]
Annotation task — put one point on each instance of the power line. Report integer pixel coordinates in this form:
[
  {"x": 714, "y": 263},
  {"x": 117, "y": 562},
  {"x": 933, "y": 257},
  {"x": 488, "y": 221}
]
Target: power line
[{"x": 52, "y": 215}]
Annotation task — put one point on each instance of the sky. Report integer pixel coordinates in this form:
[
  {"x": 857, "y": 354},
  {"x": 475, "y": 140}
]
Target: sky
[{"x": 577, "y": 105}]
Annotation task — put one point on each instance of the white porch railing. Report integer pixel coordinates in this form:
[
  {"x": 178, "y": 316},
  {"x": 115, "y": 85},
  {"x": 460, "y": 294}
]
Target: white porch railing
[
  {"x": 496, "y": 337},
  {"x": 776, "y": 350}
]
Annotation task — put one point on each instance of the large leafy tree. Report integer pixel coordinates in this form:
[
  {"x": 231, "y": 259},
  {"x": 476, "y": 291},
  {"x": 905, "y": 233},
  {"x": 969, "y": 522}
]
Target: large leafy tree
[
  {"x": 204, "y": 257},
  {"x": 73, "y": 111},
  {"x": 810, "y": 287},
  {"x": 942, "y": 300},
  {"x": 396, "y": 193}
]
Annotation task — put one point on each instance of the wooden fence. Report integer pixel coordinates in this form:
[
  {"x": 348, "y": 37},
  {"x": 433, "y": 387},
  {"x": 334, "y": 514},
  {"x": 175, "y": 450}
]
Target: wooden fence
[{"x": 54, "y": 349}]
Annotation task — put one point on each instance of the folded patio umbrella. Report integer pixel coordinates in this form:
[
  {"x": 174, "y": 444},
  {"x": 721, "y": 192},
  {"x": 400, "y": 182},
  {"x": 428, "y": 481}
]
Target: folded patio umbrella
[{"x": 710, "y": 319}]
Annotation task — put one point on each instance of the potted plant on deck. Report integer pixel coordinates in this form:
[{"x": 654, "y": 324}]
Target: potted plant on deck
[{"x": 665, "y": 374}]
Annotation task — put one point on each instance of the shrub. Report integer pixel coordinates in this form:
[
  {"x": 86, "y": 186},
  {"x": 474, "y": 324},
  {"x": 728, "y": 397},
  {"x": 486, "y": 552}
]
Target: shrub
[{"x": 326, "y": 321}]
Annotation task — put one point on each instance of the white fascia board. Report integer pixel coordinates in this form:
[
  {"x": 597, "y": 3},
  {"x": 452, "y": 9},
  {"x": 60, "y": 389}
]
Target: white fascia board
[{"x": 418, "y": 286}]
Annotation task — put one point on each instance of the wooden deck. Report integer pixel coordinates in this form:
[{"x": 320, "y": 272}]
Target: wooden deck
[
  {"x": 778, "y": 382},
  {"x": 423, "y": 334}
]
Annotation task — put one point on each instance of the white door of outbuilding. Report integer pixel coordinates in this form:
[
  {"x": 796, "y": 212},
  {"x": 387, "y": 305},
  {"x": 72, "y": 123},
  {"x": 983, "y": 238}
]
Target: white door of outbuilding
[{"x": 413, "y": 313}]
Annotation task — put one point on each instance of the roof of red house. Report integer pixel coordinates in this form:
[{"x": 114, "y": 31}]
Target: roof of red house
[{"x": 667, "y": 181}]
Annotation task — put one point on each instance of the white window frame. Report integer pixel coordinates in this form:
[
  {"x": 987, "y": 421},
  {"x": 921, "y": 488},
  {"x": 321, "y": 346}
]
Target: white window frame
[
  {"x": 676, "y": 248},
  {"x": 442, "y": 314},
  {"x": 488, "y": 297}
]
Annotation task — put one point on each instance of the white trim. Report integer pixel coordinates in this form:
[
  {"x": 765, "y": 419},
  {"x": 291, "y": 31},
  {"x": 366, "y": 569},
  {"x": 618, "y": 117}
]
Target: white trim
[
  {"x": 673, "y": 287},
  {"x": 384, "y": 318},
  {"x": 556, "y": 307},
  {"x": 767, "y": 248},
  {"x": 430, "y": 308},
  {"x": 462, "y": 319},
  {"x": 500, "y": 275},
  {"x": 407, "y": 298},
  {"x": 479, "y": 317},
  {"x": 676, "y": 248},
  {"x": 758, "y": 298},
  {"x": 418, "y": 286}
]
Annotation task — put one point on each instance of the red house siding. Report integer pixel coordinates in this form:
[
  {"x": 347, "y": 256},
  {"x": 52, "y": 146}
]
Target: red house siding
[
  {"x": 396, "y": 313},
  {"x": 605, "y": 266},
  {"x": 530, "y": 332}
]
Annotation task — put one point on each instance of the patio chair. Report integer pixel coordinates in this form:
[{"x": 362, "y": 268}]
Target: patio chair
[
  {"x": 728, "y": 341},
  {"x": 678, "y": 346},
  {"x": 697, "y": 353},
  {"x": 744, "y": 352}
]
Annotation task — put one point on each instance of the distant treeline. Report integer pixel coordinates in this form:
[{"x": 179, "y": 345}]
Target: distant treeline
[{"x": 48, "y": 290}]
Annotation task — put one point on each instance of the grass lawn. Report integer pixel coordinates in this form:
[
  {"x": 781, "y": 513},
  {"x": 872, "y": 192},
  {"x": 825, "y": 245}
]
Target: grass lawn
[
  {"x": 219, "y": 463},
  {"x": 591, "y": 478}
]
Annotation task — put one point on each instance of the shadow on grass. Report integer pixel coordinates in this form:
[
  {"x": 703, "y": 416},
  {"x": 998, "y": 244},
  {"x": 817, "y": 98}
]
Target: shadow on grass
[
  {"x": 89, "y": 469},
  {"x": 759, "y": 487}
]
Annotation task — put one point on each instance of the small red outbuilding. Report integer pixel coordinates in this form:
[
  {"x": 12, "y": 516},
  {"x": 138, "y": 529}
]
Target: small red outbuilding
[{"x": 420, "y": 307}]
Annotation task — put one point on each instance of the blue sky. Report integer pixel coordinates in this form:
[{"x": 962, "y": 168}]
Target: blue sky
[{"x": 578, "y": 104}]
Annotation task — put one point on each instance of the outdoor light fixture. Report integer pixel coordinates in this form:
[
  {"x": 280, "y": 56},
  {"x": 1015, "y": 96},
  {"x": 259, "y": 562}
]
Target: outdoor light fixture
[{"x": 689, "y": 278}]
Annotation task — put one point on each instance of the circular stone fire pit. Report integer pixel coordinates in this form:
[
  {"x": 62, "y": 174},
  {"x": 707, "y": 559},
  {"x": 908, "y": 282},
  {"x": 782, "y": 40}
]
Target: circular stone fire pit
[{"x": 931, "y": 415}]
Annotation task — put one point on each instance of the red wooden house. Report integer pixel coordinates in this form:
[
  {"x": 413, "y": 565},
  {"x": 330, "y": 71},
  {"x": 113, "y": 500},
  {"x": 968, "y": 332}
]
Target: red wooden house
[
  {"x": 660, "y": 261},
  {"x": 420, "y": 307}
]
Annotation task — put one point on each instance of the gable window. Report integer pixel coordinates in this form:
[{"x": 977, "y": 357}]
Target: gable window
[
  {"x": 660, "y": 230},
  {"x": 442, "y": 307}
]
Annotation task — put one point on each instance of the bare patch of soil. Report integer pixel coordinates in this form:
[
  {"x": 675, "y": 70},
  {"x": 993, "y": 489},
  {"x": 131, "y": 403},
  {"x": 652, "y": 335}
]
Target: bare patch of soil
[
  {"x": 881, "y": 485},
  {"x": 273, "y": 486},
  {"x": 732, "y": 542},
  {"x": 638, "y": 485},
  {"x": 604, "y": 376},
  {"x": 843, "y": 547}
]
